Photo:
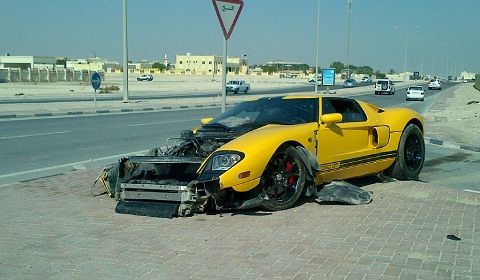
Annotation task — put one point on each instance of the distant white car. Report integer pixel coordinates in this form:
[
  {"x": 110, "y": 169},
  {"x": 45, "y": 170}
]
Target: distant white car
[
  {"x": 415, "y": 93},
  {"x": 145, "y": 78},
  {"x": 435, "y": 84},
  {"x": 384, "y": 86},
  {"x": 237, "y": 86},
  {"x": 366, "y": 80}
]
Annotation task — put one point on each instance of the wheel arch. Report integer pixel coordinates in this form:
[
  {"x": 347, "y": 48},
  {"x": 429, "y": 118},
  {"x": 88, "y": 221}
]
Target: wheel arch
[{"x": 416, "y": 122}]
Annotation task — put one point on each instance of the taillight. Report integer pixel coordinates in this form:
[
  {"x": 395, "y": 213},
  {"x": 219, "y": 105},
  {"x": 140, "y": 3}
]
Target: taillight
[{"x": 423, "y": 92}]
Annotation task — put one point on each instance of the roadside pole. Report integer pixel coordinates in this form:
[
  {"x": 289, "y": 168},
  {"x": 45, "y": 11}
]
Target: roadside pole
[
  {"x": 96, "y": 81},
  {"x": 224, "y": 76},
  {"x": 125, "y": 54},
  {"x": 227, "y": 12}
]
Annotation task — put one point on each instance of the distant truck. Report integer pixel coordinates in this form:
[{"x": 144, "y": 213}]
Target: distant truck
[{"x": 237, "y": 86}]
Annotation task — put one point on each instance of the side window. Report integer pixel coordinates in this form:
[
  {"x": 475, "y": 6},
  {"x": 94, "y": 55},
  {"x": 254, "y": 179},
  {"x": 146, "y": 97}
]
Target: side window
[
  {"x": 349, "y": 108},
  {"x": 327, "y": 107}
]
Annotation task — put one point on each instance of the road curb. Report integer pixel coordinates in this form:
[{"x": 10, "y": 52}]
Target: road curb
[
  {"x": 106, "y": 111},
  {"x": 452, "y": 145}
]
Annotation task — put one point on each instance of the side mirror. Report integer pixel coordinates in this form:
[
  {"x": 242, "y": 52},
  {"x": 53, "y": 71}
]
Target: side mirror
[
  {"x": 205, "y": 120},
  {"x": 328, "y": 119}
]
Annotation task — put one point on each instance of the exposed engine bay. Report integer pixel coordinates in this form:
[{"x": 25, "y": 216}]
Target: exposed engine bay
[{"x": 169, "y": 177}]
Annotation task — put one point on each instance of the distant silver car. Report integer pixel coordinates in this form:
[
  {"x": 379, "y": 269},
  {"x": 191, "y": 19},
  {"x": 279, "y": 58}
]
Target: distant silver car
[
  {"x": 366, "y": 79},
  {"x": 435, "y": 84},
  {"x": 415, "y": 93},
  {"x": 145, "y": 78},
  {"x": 349, "y": 83}
]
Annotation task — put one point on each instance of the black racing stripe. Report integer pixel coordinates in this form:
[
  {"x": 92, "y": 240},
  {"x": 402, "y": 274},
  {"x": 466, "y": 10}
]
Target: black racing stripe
[
  {"x": 367, "y": 159},
  {"x": 362, "y": 160}
]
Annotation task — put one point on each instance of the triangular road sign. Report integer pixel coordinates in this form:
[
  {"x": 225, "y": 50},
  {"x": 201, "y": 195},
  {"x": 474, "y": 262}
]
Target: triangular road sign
[{"x": 227, "y": 13}]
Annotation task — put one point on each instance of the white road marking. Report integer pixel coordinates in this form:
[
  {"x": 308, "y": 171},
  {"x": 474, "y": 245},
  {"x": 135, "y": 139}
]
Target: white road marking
[
  {"x": 34, "y": 135},
  {"x": 76, "y": 165},
  {"x": 472, "y": 191},
  {"x": 154, "y": 123}
]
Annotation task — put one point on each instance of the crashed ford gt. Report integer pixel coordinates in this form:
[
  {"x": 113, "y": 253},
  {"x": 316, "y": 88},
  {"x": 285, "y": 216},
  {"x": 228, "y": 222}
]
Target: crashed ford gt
[{"x": 267, "y": 153}]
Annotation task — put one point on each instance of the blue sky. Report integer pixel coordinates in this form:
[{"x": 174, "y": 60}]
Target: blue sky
[{"x": 448, "y": 31}]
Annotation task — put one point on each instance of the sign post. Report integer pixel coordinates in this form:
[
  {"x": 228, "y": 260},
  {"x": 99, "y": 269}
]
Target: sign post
[
  {"x": 96, "y": 81},
  {"x": 227, "y": 13},
  {"x": 328, "y": 78}
]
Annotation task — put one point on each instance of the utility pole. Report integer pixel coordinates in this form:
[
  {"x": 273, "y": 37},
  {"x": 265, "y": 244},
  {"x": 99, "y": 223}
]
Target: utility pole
[
  {"x": 125, "y": 54},
  {"x": 349, "y": 2},
  {"x": 318, "y": 37}
]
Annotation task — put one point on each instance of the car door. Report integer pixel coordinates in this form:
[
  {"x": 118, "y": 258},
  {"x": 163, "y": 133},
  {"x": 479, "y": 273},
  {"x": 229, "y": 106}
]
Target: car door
[{"x": 343, "y": 148}]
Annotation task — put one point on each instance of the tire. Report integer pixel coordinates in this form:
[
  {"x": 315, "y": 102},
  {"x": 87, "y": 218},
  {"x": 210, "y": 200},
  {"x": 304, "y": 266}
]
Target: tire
[
  {"x": 410, "y": 155},
  {"x": 236, "y": 91},
  {"x": 246, "y": 90},
  {"x": 283, "y": 180}
]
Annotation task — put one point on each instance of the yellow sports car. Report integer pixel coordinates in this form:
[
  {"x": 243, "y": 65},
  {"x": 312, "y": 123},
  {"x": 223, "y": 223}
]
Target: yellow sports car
[{"x": 268, "y": 152}]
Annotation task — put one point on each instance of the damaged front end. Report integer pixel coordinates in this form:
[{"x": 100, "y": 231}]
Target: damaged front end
[{"x": 166, "y": 184}]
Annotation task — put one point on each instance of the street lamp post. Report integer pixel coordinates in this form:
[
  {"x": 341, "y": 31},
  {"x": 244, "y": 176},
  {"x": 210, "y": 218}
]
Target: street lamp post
[
  {"x": 421, "y": 62},
  {"x": 349, "y": 2},
  {"x": 405, "y": 56},
  {"x": 125, "y": 54},
  {"x": 318, "y": 37}
]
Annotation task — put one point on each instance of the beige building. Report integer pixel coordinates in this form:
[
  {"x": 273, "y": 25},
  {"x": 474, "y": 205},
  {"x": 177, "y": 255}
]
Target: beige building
[
  {"x": 90, "y": 64},
  {"x": 209, "y": 64},
  {"x": 27, "y": 62}
]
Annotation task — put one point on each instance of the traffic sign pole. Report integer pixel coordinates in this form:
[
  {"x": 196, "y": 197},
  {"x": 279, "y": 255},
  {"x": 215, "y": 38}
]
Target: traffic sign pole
[
  {"x": 227, "y": 13},
  {"x": 224, "y": 76},
  {"x": 96, "y": 81}
]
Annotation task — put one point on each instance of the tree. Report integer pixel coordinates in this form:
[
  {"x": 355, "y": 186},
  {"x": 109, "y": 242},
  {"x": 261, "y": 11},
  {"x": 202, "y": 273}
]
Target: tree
[
  {"x": 269, "y": 69},
  {"x": 159, "y": 65},
  {"x": 391, "y": 72},
  {"x": 380, "y": 75},
  {"x": 366, "y": 70},
  {"x": 338, "y": 66}
]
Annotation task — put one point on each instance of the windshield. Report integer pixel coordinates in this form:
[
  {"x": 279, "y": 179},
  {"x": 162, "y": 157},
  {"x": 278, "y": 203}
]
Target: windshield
[
  {"x": 268, "y": 111},
  {"x": 416, "y": 88}
]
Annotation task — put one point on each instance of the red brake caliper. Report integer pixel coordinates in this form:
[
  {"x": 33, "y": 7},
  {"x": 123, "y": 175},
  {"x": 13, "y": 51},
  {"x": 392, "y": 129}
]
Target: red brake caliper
[{"x": 288, "y": 167}]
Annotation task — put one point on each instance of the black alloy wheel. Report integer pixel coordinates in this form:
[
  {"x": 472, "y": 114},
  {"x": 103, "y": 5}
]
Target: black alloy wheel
[
  {"x": 410, "y": 155},
  {"x": 283, "y": 179}
]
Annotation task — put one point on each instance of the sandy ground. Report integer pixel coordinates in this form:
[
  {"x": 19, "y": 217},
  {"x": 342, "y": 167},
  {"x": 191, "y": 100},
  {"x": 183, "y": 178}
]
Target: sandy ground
[
  {"x": 456, "y": 117},
  {"x": 167, "y": 85},
  {"x": 453, "y": 117}
]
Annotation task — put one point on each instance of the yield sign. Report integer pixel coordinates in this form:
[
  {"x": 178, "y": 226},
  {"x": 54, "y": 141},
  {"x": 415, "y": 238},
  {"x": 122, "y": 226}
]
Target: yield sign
[{"x": 227, "y": 13}]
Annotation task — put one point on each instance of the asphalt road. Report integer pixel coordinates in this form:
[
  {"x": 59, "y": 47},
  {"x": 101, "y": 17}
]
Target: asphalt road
[{"x": 40, "y": 147}]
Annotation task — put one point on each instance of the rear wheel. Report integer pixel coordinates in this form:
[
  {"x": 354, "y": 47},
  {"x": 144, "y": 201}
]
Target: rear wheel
[
  {"x": 410, "y": 155},
  {"x": 283, "y": 179}
]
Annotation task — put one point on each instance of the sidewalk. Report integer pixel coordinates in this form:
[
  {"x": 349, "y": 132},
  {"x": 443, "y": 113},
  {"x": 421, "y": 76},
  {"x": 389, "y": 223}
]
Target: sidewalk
[
  {"x": 59, "y": 227},
  {"x": 56, "y": 228}
]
